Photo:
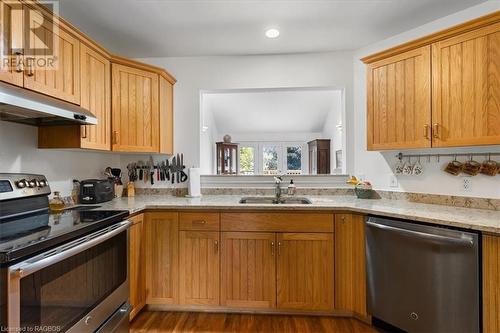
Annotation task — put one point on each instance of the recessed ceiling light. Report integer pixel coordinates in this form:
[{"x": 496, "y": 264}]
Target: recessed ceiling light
[{"x": 272, "y": 33}]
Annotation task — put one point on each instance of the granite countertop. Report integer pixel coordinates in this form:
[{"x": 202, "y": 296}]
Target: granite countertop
[{"x": 468, "y": 218}]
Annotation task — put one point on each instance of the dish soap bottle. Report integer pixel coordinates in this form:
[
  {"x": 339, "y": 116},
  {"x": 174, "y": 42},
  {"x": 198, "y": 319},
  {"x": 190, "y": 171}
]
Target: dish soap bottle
[
  {"x": 291, "y": 188},
  {"x": 56, "y": 204}
]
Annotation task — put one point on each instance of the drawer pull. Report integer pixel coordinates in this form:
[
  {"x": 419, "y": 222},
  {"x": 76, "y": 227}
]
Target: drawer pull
[
  {"x": 279, "y": 248},
  {"x": 272, "y": 249},
  {"x": 199, "y": 222}
]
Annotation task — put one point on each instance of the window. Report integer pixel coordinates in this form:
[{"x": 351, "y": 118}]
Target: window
[
  {"x": 293, "y": 160},
  {"x": 270, "y": 160},
  {"x": 247, "y": 160}
]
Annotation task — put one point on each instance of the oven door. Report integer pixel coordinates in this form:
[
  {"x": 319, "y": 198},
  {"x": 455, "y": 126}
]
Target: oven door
[{"x": 73, "y": 288}]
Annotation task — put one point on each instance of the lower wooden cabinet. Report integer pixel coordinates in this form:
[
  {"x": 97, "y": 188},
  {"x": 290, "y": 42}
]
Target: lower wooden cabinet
[
  {"x": 136, "y": 265},
  {"x": 248, "y": 270},
  {"x": 199, "y": 267},
  {"x": 350, "y": 260},
  {"x": 491, "y": 284},
  {"x": 162, "y": 257},
  {"x": 305, "y": 271},
  {"x": 187, "y": 263}
]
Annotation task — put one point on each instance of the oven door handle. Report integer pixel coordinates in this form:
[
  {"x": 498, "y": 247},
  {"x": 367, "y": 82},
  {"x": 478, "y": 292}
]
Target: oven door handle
[{"x": 68, "y": 250}]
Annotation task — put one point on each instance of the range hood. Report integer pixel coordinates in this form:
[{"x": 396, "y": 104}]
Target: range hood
[{"x": 27, "y": 107}]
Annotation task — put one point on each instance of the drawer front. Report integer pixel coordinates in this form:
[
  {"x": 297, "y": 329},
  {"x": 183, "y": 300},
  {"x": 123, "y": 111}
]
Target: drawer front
[
  {"x": 199, "y": 221},
  {"x": 277, "y": 222}
]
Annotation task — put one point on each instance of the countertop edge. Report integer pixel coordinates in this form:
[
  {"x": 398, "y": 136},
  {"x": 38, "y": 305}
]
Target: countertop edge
[{"x": 316, "y": 207}]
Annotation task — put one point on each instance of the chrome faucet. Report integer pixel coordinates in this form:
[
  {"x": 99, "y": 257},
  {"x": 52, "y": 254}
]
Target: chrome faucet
[{"x": 277, "y": 187}]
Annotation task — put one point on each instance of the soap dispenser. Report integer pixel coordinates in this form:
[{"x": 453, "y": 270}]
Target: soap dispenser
[{"x": 291, "y": 188}]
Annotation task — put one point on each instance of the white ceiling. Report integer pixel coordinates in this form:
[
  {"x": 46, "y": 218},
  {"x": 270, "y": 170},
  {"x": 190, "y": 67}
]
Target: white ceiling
[
  {"x": 156, "y": 28},
  {"x": 272, "y": 111}
]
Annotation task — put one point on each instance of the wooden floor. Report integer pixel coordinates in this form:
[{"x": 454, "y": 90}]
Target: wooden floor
[{"x": 183, "y": 322}]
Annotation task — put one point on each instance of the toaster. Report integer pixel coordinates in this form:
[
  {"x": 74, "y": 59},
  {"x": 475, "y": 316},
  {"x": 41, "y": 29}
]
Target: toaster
[{"x": 94, "y": 191}]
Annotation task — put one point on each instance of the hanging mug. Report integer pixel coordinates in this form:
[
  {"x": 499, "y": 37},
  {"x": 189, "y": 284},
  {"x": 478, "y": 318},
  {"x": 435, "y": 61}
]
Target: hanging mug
[
  {"x": 454, "y": 167},
  {"x": 490, "y": 167},
  {"x": 471, "y": 167},
  {"x": 417, "y": 168},
  {"x": 398, "y": 169}
]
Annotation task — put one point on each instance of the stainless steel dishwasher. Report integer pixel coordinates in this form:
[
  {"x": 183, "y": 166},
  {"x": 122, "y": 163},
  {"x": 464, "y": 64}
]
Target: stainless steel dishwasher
[{"x": 422, "y": 278}]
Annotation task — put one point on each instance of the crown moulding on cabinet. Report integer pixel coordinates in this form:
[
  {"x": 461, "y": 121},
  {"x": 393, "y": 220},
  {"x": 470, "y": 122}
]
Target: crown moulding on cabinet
[{"x": 435, "y": 37}]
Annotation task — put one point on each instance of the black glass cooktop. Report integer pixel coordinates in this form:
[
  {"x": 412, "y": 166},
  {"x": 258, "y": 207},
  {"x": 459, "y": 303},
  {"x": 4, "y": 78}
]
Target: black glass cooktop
[{"x": 20, "y": 237}]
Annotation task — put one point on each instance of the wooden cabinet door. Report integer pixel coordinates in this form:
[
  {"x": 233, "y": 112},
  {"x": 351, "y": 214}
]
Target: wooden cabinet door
[
  {"x": 162, "y": 257},
  {"x": 248, "y": 270},
  {"x": 96, "y": 97},
  {"x": 166, "y": 116},
  {"x": 399, "y": 101},
  {"x": 491, "y": 284},
  {"x": 11, "y": 42},
  {"x": 135, "y": 109},
  {"x": 199, "y": 267},
  {"x": 57, "y": 74},
  {"x": 305, "y": 271},
  {"x": 350, "y": 271},
  {"x": 466, "y": 89},
  {"x": 137, "y": 267}
]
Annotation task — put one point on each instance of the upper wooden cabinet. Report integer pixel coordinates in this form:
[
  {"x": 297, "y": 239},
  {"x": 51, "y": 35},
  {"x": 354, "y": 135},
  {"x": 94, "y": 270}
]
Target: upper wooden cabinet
[
  {"x": 466, "y": 88},
  {"x": 96, "y": 97},
  {"x": 61, "y": 62},
  {"x": 399, "y": 101},
  {"x": 95, "y": 78},
  {"x": 57, "y": 71},
  {"x": 11, "y": 42},
  {"x": 442, "y": 90},
  {"x": 142, "y": 108},
  {"x": 135, "y": 109}
]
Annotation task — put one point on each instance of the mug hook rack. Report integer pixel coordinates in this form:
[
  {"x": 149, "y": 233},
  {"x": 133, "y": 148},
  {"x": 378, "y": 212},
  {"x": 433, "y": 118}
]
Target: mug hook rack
[{"x": 400, "y": 156}]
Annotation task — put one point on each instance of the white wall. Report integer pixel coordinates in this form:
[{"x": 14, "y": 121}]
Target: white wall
[
  {"x": 376, "y": 166},
  {"x": 331, "y": 131},
  {"x": 195, "y": 74},
  {"x": 18, "y": 153}
]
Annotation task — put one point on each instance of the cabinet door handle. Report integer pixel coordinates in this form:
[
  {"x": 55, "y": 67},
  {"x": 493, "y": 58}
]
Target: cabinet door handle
[
  {"x": 19, "y": 62},
  {"x": 115, "y": 137},
  {"x": 84, "y": 132},
  {"x": 272, "y": 249},
  {"x": 199, "y": 222},
  {"x": 31, "y": 70},
  {"x": 435, "y": 131},
  {"x": 426, "y": 131},
  {"x": 279, "y": 248},
  {"x": 216, "y": 246}
]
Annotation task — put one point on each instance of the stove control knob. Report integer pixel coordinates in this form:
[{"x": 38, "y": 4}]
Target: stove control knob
[
  {"x": 33, "y": 183},
  {"x": 42, "y": 183},
  {"x": 21, "y": 183}
]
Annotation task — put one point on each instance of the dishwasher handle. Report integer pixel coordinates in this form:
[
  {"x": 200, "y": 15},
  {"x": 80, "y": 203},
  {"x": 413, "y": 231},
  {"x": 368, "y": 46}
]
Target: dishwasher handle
[{"x": 464, "y": 240}]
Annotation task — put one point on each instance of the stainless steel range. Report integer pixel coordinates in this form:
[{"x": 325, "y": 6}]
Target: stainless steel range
[{"x": 63, "y": 272}]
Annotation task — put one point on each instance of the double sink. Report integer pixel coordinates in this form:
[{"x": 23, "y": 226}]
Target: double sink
[{"x": 275, "y": 201}]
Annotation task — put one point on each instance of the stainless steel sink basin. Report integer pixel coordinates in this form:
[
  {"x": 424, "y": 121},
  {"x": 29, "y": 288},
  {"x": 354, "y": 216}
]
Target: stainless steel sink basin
[{"x": 272, "y": 200}]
